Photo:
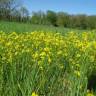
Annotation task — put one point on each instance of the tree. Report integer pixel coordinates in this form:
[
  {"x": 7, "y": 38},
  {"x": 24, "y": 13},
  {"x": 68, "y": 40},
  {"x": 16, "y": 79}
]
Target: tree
[
  {"x": 81, "y": 21},
  {"x": 6, "y": 7},
  {"x": 62, "y": 19},
  {"x": 51, "y": 17},
  {"x": 24, "y": 14},
  {"x": 38, "y": 18},
  {"x": 91, "y": 22},
  {"x": 35, "y": 19}
]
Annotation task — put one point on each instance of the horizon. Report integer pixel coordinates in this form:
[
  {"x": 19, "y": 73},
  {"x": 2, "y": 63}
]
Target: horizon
[{"x": 86, "y": 7}]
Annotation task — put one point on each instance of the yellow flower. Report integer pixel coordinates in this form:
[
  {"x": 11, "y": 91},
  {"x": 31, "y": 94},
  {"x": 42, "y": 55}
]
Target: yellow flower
[
  {"x": 34, "y": 94},
  {"x": 49, "y": 60},
  {"x": 77, "y": 73},
  {"x": 78, "y": 55},
  {"x": 35, "y": 56},
  {"x": 89, "y": 93},
  {"x": 8, "y": 43},
  {"x": 43, "y": 54},
  {"x": 46, "y": 49},
  {"x": 59, "y": 52}
]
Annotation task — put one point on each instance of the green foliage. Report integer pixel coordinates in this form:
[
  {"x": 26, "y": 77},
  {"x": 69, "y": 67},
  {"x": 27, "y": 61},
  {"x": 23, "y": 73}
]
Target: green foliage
[
  {"x": 79, "y": 21},
  {"x": 26, "y": 27},
  {"x": 47, "y": 63},
  {"x": 51, "y": 17},
  {"x": 62, "y": 19},
  {"x": 11, "y": 10}
]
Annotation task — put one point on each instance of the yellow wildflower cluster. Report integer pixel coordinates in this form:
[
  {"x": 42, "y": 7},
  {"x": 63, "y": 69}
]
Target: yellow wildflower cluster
[
  {"x": 34, "y": 94},
  {"x": 89, "y": 93},
  {"x": 48, "y": 45},
  {"x": 51, "y": 53}
]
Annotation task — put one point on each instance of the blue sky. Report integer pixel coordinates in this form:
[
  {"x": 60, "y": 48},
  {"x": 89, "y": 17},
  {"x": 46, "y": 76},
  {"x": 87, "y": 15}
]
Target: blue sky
[{"x": 70, "y": 6}]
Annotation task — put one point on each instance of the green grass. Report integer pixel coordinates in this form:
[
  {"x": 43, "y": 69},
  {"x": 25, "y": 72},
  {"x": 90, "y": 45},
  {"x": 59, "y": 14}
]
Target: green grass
[{"x": 24, "y": 27}]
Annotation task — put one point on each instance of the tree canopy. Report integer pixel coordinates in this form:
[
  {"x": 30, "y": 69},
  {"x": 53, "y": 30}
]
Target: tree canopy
[{"x": 12, "y": 10}]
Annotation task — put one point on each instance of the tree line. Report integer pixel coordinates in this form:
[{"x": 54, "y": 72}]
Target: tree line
[{"x": 11, "y": 10}]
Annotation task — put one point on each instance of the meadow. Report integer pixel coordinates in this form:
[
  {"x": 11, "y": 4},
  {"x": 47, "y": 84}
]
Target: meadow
[
  {"x": 37, "y": 60},
  {"x": 27, "y": 27}
]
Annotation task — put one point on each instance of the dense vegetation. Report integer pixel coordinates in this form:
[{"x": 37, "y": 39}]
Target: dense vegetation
[
  {"x": 43, "y": 53},
  {"x": 26, "y": 27},
  {"x": 47, "y": 63},
  {"x": 11, "y": 10}
]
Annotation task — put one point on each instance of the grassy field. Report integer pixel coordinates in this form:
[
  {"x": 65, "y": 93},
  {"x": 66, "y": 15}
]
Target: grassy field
[
  {"x": 23, "y": 27},
  {"x": 37, "y": 60}
]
